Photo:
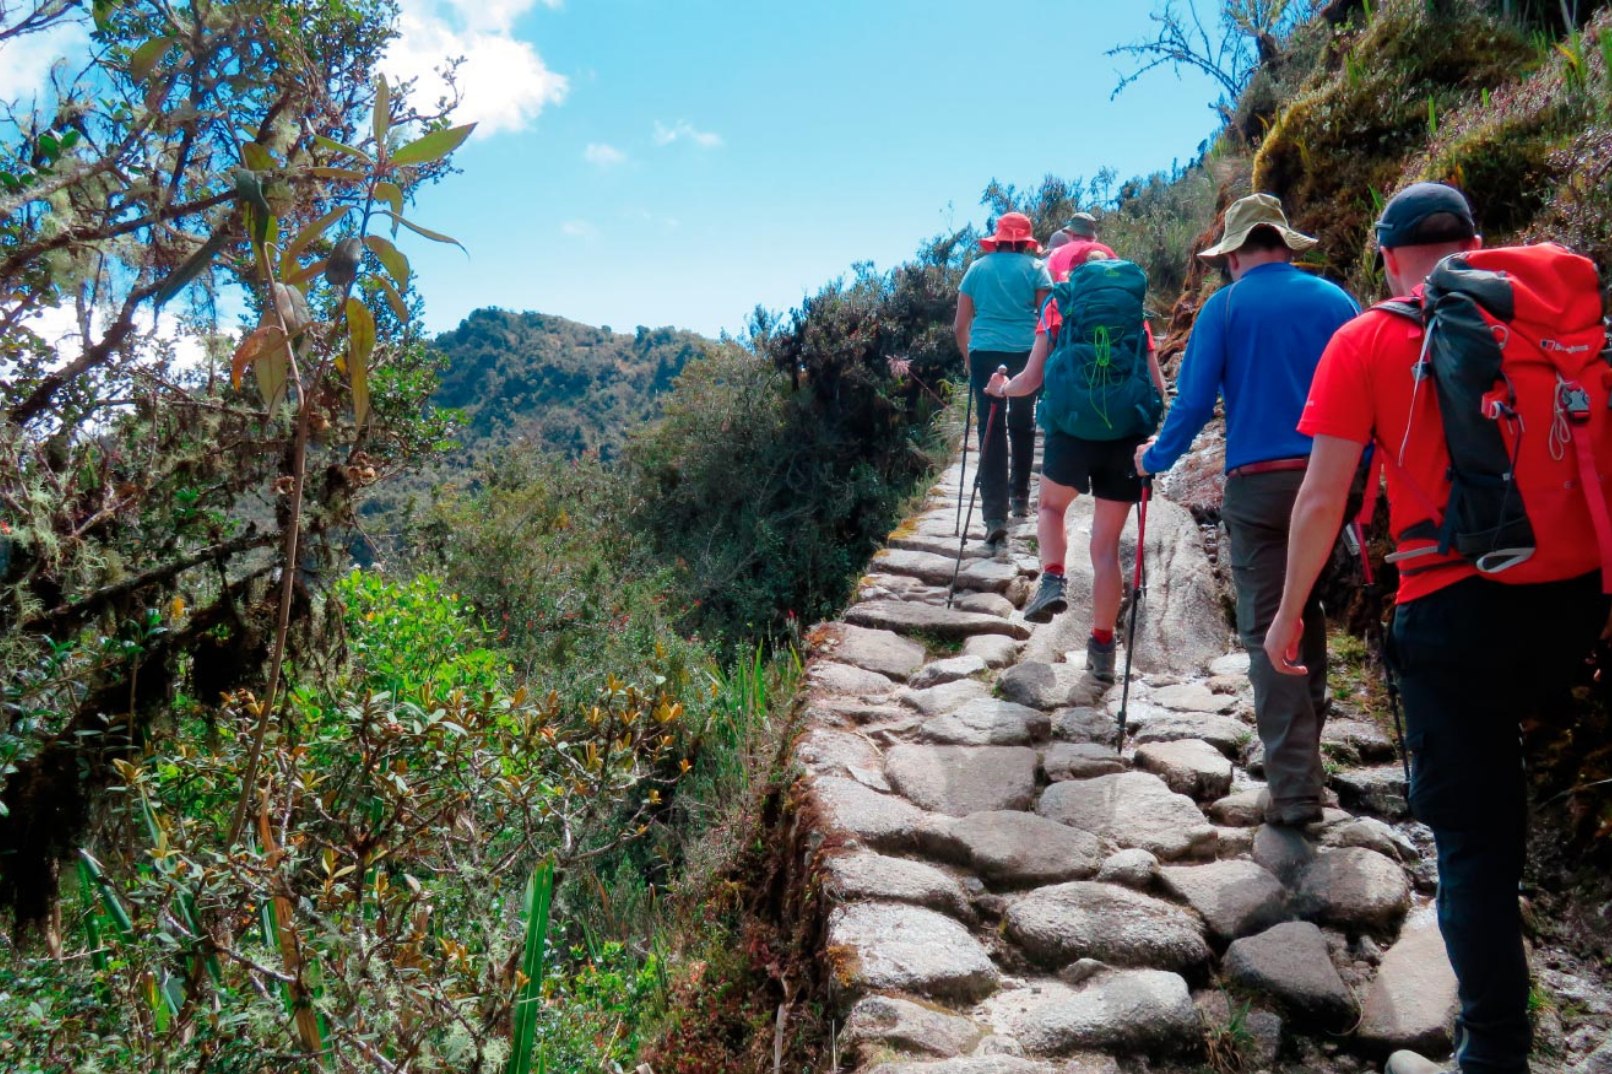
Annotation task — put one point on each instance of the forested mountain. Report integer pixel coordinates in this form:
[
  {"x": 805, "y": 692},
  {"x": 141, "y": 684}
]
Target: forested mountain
[{"x": 561, "y": 385}]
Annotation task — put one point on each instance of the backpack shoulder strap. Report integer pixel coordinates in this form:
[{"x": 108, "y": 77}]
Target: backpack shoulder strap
[{"x": 1409, "y": 309}]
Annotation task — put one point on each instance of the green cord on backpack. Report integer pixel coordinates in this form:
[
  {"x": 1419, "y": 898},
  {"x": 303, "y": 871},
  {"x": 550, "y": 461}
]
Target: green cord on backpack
[{"x": 1097, "y": 384}]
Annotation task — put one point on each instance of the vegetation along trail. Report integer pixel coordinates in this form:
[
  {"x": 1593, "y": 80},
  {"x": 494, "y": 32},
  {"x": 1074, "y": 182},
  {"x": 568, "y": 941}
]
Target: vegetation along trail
[{"x": 533, "y": 696}]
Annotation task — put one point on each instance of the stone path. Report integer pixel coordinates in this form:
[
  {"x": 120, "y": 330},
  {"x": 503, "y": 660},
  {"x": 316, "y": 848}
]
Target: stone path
[{"x": 1007, "y": 894}]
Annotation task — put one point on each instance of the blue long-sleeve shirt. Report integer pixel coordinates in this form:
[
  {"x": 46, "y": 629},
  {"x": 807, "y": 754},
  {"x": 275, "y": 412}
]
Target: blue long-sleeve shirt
[{"x": 1257, "y": 343}]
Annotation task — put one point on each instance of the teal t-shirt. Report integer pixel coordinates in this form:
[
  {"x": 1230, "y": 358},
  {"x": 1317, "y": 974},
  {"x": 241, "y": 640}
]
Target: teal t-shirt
[{"x": 1003, "y": 287}]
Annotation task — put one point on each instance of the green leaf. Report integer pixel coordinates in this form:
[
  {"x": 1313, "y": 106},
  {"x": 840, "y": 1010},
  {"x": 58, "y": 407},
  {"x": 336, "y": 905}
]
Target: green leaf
[
  {"x": 390, "y": 256},
  {"x": 49, "y": 147},
  {"x": 190, "y": 269},
  {"x": 383, "y": 113},
  {"x": 434, "y": 236},
  {"x": 347, "y": 175},
  {"x": 393, "y": 297},
  {"x": 101, "y": 11},
  {"x": 257, "y": 158},
  {"x": 308, "y": 235},
  {"x": 433, "y": 146},
  {"x": 360, "y": 344},
  {"x": 392, "y": 194},
  {"x": 146, "y": 57},
  {"x": 539, "y": 898},
  {"x": 341, "y": 147}
]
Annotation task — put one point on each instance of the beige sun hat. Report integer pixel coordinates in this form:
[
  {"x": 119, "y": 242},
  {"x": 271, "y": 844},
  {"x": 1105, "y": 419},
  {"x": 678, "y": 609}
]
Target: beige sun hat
[{"x": 1246, "y": 214}]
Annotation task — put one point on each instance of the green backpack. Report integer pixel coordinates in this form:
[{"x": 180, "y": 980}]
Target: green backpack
[{"x": 1098, "y": 386}]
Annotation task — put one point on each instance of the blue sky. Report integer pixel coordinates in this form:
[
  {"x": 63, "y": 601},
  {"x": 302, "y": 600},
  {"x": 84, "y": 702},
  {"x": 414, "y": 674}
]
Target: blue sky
[{"x": 680, "y": 161}]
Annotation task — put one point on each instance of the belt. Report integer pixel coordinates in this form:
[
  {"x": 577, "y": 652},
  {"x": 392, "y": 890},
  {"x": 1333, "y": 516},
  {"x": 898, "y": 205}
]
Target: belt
[{"x": 1269, "y": 466}]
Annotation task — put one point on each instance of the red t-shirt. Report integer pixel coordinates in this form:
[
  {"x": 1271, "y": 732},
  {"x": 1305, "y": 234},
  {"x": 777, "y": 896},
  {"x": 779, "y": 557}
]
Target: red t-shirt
[
  {"x": 1367, "y": 388},
  {"x": 1063, "y": 260},
  {"x": 1051, "y": 320}
]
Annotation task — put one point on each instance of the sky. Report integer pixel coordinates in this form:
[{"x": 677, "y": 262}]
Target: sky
[
  {"x": 654, "y": 162},
  {"x": 678, "y": 162}
]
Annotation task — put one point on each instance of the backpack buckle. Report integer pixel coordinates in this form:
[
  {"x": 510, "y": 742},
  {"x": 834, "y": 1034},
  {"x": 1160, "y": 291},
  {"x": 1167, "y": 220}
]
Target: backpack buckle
[{"x": 1573, "y": 401}]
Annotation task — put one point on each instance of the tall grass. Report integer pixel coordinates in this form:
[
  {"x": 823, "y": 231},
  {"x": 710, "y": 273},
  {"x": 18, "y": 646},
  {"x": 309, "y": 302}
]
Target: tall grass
[{"x": 529, "y": 996}]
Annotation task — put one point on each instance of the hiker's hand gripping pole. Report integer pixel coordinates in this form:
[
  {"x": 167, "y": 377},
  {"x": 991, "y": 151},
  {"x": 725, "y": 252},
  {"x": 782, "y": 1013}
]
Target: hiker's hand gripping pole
[
  {"x": 990, "y": 424},
  {"x": 1138, "y": 591}
]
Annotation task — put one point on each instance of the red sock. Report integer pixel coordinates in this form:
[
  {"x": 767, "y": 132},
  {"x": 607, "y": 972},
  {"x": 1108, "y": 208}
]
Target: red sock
[
  {"x": 1053, "y": 568},
  {"x": 1102, "y": 637}
]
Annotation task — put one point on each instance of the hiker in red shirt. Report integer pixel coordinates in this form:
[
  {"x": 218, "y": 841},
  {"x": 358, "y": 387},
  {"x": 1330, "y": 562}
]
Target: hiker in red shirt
[
  {"x": 1077, "y": 249},
  {"x": 1479, "y": 638}
]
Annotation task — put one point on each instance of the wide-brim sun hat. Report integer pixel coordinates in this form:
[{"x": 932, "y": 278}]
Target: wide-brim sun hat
[
  {"x": 1254, "y": 211},
  {"x": 1082, "y": 226},
  {"x": 1012, "y": 228}
]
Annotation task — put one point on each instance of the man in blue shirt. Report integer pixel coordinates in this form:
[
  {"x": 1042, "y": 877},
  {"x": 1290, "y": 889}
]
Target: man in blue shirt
[{"x": 1257, "y": 343}]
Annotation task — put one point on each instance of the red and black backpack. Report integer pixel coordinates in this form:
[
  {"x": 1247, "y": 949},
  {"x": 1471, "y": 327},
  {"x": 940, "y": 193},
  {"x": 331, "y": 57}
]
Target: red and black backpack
[{"x": 1516, "y": 347}]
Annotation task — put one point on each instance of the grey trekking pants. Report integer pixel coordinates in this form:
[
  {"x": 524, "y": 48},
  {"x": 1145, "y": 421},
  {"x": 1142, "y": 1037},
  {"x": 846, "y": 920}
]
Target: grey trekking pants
[{"x": 1288, "y": 709}]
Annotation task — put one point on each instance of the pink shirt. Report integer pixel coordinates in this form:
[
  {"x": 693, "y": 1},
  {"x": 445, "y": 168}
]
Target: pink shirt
[{"x": 1063, "y": 260}]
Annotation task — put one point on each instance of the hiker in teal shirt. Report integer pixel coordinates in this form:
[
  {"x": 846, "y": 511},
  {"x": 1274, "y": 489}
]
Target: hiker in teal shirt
[{"x": 997, "y": 306}]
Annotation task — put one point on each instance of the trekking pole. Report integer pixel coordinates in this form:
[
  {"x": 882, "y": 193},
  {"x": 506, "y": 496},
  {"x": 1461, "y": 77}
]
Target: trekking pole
[
  {"x": 990, "y": 423},
  {"x": 1138, "y": 589},
  {"x": 968, "y": 415}
]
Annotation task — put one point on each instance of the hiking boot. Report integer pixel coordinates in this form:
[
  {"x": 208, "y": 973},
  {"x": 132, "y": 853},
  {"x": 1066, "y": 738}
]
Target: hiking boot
[
  {"x": 1048, "y": 600},
  {"x": 1295, "y": 814},
  {"x": 1019, "y": 507},
  {"x": 1100, "y": 659},
  {"x": 1411, "y": 1063},
  {"x": 996, "y": 538}
]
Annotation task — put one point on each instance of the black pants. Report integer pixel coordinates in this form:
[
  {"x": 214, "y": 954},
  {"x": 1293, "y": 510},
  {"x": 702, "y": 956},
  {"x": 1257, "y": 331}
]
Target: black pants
[
  {"x": 1473, "y": 659},
  {"x": 1012, "y": 434},
  {"x": 1288, "y": 710}
]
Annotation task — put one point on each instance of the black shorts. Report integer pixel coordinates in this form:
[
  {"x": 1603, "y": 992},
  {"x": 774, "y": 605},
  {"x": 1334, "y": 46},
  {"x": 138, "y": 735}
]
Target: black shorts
[{"x": 1104, "y": 468}]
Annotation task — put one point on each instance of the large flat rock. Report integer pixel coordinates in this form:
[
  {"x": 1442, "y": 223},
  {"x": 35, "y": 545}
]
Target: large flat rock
[
  {"x": 862, "y": 875},
  {"x": 1060, "y": 924},
  {"x": 846, "y": 807},
  {"x": 1085, "y": 724},
  {"x": 885, "y": 947},
  {"x": 1234, "y": 898},
  {"x": 1412, "y": 1003},
  {"x": 893, "y": 1022},
  {"x": 1013, "y": 849},
  {"x": 974, "y": 1064},
  {"x": 997, "y": 650},
  {"x": 1189, "y": 766},
  {"x": 1132, "y": 809},
  {"x": 946, "y": 697},
  {"x": 1191, "y": 697},
  {"x": 925, "y": 619},
  {"x": 1180, "y": 627},
  {"x": 1354, "y": 741},
  {"x": 1224, "y": 733},
  {"x": 959, "y": 780},
  {"x": 825, "y": 752},
  {"x": 1354, "y": 888},
  {"x": 931, "y": 567},
  {"x": 883, "y": 651},
  {"x": 1048, "y": 686},
  {"x": 1290, "y": 964},
  {"x": 1140, "y": 1010},
  {"x": 948, "y": 670},
  {"x": 1378, "y": 790},
  {"x": 987, "y": 575},
  {"x": 987, "y": 721},
  {"x": 1079, "y": 760},
  {"x": 829, "y": 677}
]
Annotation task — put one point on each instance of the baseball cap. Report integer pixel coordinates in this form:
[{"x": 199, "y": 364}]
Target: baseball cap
[{"x": 1423, "y": 214}]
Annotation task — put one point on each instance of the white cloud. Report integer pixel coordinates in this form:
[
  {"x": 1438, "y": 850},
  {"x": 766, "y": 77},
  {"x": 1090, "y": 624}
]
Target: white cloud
[
  {"x": 683, "y": 130},
  {"x": 603, "y": 156},
  {"x": 579, "y": 229},
  {"x": 503, "y": 82},
  {"x": 26, "y": 61}
]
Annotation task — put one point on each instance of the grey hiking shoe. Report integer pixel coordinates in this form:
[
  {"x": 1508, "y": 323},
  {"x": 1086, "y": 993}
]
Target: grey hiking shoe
[
  {"x": 1411, "y": 1063},
  {"x": 1019, "y": 507},
  {"x": 996, "y": 537},
  {"x": 1297, "y": 813},
  {"x": 1100, "y": 659},
  {"x": 1048, "y": 600}
]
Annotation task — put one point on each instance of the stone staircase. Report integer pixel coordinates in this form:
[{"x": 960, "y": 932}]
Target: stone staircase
[{"x": 1007, "y": 894}]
